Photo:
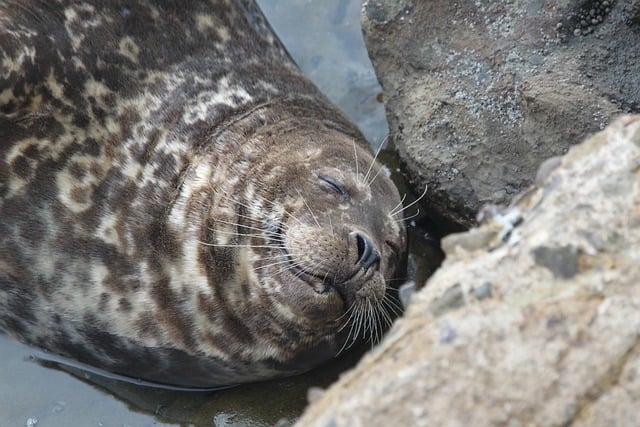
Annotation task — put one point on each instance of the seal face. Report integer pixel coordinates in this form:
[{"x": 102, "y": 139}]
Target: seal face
[{"x": 177, "y": 202}]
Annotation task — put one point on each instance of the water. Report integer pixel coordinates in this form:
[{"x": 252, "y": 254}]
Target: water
[{"x": 325, "y": 40}]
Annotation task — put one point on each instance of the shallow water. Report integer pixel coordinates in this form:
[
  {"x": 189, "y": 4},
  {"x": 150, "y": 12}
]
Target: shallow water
[{"x": 325, "y": 40}]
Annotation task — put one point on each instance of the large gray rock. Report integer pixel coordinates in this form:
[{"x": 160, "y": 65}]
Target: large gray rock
[
  {"x": 479, "y": 93},
  {"x": 533, "y": 319}
]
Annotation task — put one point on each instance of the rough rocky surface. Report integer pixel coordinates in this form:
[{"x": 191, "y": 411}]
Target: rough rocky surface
[
  {"x": 479, "y": 93},
  {"x": 533, "y": 317}
]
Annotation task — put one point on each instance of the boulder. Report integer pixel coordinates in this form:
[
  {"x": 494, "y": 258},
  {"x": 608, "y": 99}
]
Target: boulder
[
  {"x": 533, "y": 317},
  {"x": 479, "y": 93}
]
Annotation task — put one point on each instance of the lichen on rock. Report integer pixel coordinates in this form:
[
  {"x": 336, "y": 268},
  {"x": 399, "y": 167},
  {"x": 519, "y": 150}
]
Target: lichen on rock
[{"x": 479, "y": 93}]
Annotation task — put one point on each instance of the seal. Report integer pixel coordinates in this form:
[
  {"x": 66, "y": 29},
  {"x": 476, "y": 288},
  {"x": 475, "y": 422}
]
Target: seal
[{"x": 178, "y": 203}]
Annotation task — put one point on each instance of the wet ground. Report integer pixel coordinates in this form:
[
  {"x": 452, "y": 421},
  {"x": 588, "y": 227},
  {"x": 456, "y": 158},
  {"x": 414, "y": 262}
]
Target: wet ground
[{"x": 325, "y": 40}]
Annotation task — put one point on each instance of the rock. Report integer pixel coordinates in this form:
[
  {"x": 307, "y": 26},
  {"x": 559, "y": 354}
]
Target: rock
[
  {"x": 479, "y": 93},
  {"x": 540, "y": 327}
]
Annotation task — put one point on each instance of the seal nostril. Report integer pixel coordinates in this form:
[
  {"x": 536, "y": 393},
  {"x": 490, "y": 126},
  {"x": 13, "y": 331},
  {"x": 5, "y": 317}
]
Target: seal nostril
[{"x": 367, "y": 255}]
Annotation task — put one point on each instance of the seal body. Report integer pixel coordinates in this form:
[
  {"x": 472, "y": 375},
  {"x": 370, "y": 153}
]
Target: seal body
[{"x": 177, "y": 202}]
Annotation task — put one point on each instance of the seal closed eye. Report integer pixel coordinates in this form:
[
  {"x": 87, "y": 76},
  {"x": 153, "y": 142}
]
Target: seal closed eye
[
  {"x": 182, "y": 206},
  {"x": 334, "y": 185}
]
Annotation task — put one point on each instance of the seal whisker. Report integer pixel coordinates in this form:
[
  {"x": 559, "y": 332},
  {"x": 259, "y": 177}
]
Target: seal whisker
[
  {"x": 253, "y": 207},
  {"x": 349, "y": 314},
  {"x": 313, "y": 267},
  {"x": 238, "y": 215},
  {"x": 273, "y": 264},
  {"x": 382, "y": 319},
  {"x": 308, "y": 208},
  {"x": 373, "y": 323},
  {"x": 384, "y": 313},
  {"x": 399, "y": 205},
  {"x": 236, "y": 224},
  {"x": 388, "y": 312},
  {"x": 350, "y": 321},
  {"x": 373, "y": 162},
  {"x": 247, "y": 235},
  {"x": 300, "y": 267},
  {"x": 409, "y": 217},
  {"x": 392, "y": 305},
  {"x": 380, "y": 169},
  {"x": 236, "y": 245},
  {"x": 273, "y": 204},
  {"x": 331, "y": 225},
  {"x": 355, "y": 154},
  {"x": 397, "y": 211},
  {"x": 366, "y": 321},
  {"x": 362, "y": 321}
]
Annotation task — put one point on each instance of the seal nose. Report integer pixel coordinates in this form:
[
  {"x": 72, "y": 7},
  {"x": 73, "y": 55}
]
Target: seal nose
[{"x": 367, "y": 255}]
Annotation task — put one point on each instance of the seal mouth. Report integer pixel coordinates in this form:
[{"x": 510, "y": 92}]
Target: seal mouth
[
  {"x": 343, "y": 280},
  {"x": 345, "y": 288},
  {"x": 320, "y": 283}
]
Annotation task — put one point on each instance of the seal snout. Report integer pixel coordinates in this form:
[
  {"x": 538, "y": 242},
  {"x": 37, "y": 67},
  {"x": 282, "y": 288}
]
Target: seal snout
[{"x": 367, "y": 254}]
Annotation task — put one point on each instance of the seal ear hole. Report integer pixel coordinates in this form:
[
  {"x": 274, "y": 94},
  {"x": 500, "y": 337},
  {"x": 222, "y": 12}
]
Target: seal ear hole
[{"x": 334, "y": 185}]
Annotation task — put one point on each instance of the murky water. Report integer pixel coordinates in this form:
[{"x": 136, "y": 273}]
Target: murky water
[{"x": 324, "y": 38}]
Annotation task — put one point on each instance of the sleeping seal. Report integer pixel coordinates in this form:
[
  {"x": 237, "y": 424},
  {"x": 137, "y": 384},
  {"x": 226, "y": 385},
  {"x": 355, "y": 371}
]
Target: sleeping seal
[{"x": 177, "y": 202}]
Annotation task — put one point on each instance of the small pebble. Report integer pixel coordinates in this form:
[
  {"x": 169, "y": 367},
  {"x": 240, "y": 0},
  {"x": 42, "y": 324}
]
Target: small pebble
[
  {"x": 448, "y": 335},
  {"x": 483, "y": 291}
]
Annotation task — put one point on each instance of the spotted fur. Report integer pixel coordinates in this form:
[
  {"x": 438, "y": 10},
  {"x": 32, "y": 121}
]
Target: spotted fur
[{"x": 168, "y": 199}]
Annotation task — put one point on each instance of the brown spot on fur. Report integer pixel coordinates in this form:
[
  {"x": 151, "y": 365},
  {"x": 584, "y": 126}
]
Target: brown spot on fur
[
  {"x": 115, "y": 284},
  {"x": 91, "y": 147},
  {"x": 146, "y": 326},
  {"x": 77, "y": 170},
  {"x": 104, "y": 301},
  {"x": 21, "y": 167},
  {"x": 124, "y": 305},
  {"x": 95, "y": 169},
  {"x": 79, "y": 194}
]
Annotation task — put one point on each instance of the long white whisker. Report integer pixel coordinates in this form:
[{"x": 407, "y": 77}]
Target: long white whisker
[
  {"x": 392, "y": 305},
  {"x": 409, "y": 217},
  {"x": 307, "y": 205},
  {"x": 355, "y": 154},
  {"x": 399, "y": 205},
  {"x": 252, "y": 208},
  {"x": 263, "y": 235},
  {"x": 366, "y": 177},
  {"x": 330, "y": 224},
  {"x": 273, "y": 264},
  {"x": 394, "y": 213},
  {"x": 380, "y": 169},
  {"x": 349, "y": 340},
  {"x": 236, "y": 224}
]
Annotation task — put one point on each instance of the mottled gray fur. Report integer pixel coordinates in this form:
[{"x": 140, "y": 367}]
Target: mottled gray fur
[{"x": 177, "y": 202}]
